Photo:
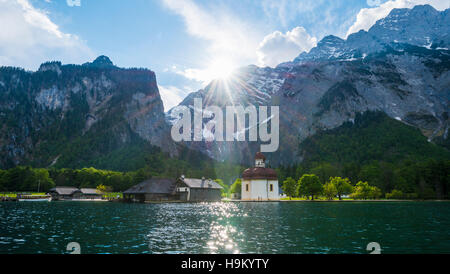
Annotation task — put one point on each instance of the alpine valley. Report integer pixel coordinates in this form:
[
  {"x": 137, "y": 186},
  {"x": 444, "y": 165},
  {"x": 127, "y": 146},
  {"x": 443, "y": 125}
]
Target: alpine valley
[{"x": 381, "y": 94}]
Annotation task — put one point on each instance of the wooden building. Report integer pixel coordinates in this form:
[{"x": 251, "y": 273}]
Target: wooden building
[
  {"x": 198, "y": 190},
  {"x": 152, "y": 190},
  {"x": 91, "y": 194},
  {"x": 65, "y": 193}
]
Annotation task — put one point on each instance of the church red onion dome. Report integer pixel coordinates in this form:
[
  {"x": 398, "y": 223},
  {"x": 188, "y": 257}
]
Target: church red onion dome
[
  {"x": 261, "y": 173},
  {"x": 259, "y": 155}
]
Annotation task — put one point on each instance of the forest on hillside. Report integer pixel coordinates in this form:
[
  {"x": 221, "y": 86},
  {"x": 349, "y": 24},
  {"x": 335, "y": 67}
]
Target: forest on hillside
[{"x": 380, "y": 150}]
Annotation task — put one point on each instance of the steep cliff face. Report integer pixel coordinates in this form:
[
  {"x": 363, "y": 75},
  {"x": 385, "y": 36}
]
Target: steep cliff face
[
  {"x": 70, "y": 115},
  {"x": 401, "y": 67}
]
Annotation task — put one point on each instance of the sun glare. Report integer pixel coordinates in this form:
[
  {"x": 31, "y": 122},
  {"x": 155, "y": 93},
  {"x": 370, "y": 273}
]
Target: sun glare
[{"x": 221, "y": 68}]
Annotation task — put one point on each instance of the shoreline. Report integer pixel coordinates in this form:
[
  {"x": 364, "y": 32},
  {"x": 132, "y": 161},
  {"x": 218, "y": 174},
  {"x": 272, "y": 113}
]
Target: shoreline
[
  {"x": 334, "y": 201},
  {"x": 9, "y": 199}
]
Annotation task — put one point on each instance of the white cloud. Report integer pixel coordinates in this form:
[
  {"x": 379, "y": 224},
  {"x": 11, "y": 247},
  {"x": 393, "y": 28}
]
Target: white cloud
[
  {"x": 218, "y": 68},
  {"x": 373, "y": 3},
  {"x": 279, "y": 47},
  {"x": 233, "y": 43},
  {"x": 32, "y": 38},
  {"x": 172, "y": 96},
  {"x": 367, "y": 17},
  {"x": 72, "y": 3},
  {"x": 199, "y": 75},
  {"x": 228, "y": 37}
]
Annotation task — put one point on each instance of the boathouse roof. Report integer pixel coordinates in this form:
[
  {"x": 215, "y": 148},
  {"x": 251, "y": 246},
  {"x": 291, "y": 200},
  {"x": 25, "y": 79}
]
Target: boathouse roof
[
  {"x": 90, "y": 191},
  {"x": 200, "y": 183},
  {"x": 64, "y": 190},
  {"x": 154, "y": 185}
]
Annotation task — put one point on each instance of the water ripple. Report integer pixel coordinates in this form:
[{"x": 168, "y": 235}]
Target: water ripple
[{"x": 110, "y": 228}]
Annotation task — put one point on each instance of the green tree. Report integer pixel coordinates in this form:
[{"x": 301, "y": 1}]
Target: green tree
[
  {"x": 101, "y": 188},
  {"x": 343, "y": 186},
  {"x": 330, "y": 191},
  {"x": 289, "y": 187},
  {"x": 395, "y": 194},
  {"x": 324, "y": 171},
  {"x": 42, "y": 180},
  {"x": 362, "y": 191},
  {"x": 225, "y": 188},
  {"x": 299, "y": 171},
  {"x": 236, "y": 187},
  {"x": 309, "y": 185},
  {"x": 375, "y": 192},
  {"x": 2, "y": 180}
]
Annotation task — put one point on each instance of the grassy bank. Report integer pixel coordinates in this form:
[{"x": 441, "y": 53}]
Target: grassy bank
[
  {"x": 14, "y": 194},
  {"x": 113, "y": 195},
  {"x": 350, "y": 200},
  {"x": 108, "y": 196}
]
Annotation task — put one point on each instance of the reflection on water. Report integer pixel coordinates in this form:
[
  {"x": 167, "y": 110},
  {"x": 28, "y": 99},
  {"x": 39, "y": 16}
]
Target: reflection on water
[
  {"x": 224, "y": 237},
  {"x": 200, "y": 228},
  {"x": 407, "y": 227}
]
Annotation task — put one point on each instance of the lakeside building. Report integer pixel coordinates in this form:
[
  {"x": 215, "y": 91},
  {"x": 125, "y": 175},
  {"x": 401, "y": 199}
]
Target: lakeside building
[
  {"x": 91, "y": 194},
  {"x": 152, "y": 190},
  {"x": 65, "y": 193},
  {"x": 236, "y": 196},
  {"x": 260, "y": 183},
  {"x": 182, "y": 190},
  {"x": 198, "y": 190}
]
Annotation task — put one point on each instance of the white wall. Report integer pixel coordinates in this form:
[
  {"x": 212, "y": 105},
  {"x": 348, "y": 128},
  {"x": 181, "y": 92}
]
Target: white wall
[{"x": 259, "y": 190}]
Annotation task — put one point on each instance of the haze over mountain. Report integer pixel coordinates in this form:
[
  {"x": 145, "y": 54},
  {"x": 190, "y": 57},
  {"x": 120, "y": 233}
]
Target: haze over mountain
[{"x": 83, "y": 115}]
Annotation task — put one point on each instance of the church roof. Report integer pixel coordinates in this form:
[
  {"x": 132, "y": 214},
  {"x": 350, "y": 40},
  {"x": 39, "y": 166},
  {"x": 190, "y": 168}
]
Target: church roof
[
  {"x": 260, "y": 173},
  {"x": 259, "y": 155}
]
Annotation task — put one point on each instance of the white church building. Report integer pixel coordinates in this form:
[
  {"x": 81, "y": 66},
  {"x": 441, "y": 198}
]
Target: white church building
[{"x": 260, "y": 183}]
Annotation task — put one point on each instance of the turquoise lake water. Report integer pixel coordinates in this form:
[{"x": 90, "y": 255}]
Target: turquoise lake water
[{"x": 398, "y": 227}]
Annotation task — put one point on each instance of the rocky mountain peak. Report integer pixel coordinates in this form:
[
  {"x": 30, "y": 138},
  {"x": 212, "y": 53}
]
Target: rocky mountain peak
[
  {"x": 330, "y": 40},
  {"x": 421, "y": 26},
  {"x": 51, "y": 66},
  {"x": 416, "y": 10},
  {"x": 101, "y": 62}
]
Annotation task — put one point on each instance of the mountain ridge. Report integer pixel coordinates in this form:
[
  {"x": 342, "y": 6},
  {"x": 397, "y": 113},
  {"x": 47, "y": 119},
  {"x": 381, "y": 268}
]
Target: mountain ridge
[
  {"x": 81, "y": 115},
  {"x": 400, "y": 23},
  {"x": 375, "y": 70}
]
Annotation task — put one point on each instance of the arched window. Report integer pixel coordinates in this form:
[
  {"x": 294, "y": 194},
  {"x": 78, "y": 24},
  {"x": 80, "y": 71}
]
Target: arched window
[
  {"x": 246, "y": 187},
  {"x": 271, "y": 187}
]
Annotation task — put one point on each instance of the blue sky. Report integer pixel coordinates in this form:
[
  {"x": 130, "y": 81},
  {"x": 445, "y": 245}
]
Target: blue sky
[{"x": 188, "y": 42}]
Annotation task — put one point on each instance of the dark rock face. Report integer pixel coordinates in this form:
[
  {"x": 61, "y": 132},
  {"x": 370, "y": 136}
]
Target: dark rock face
[
  {"x": 401, "y": 67},
  {"x": 96, "y": 106}
]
